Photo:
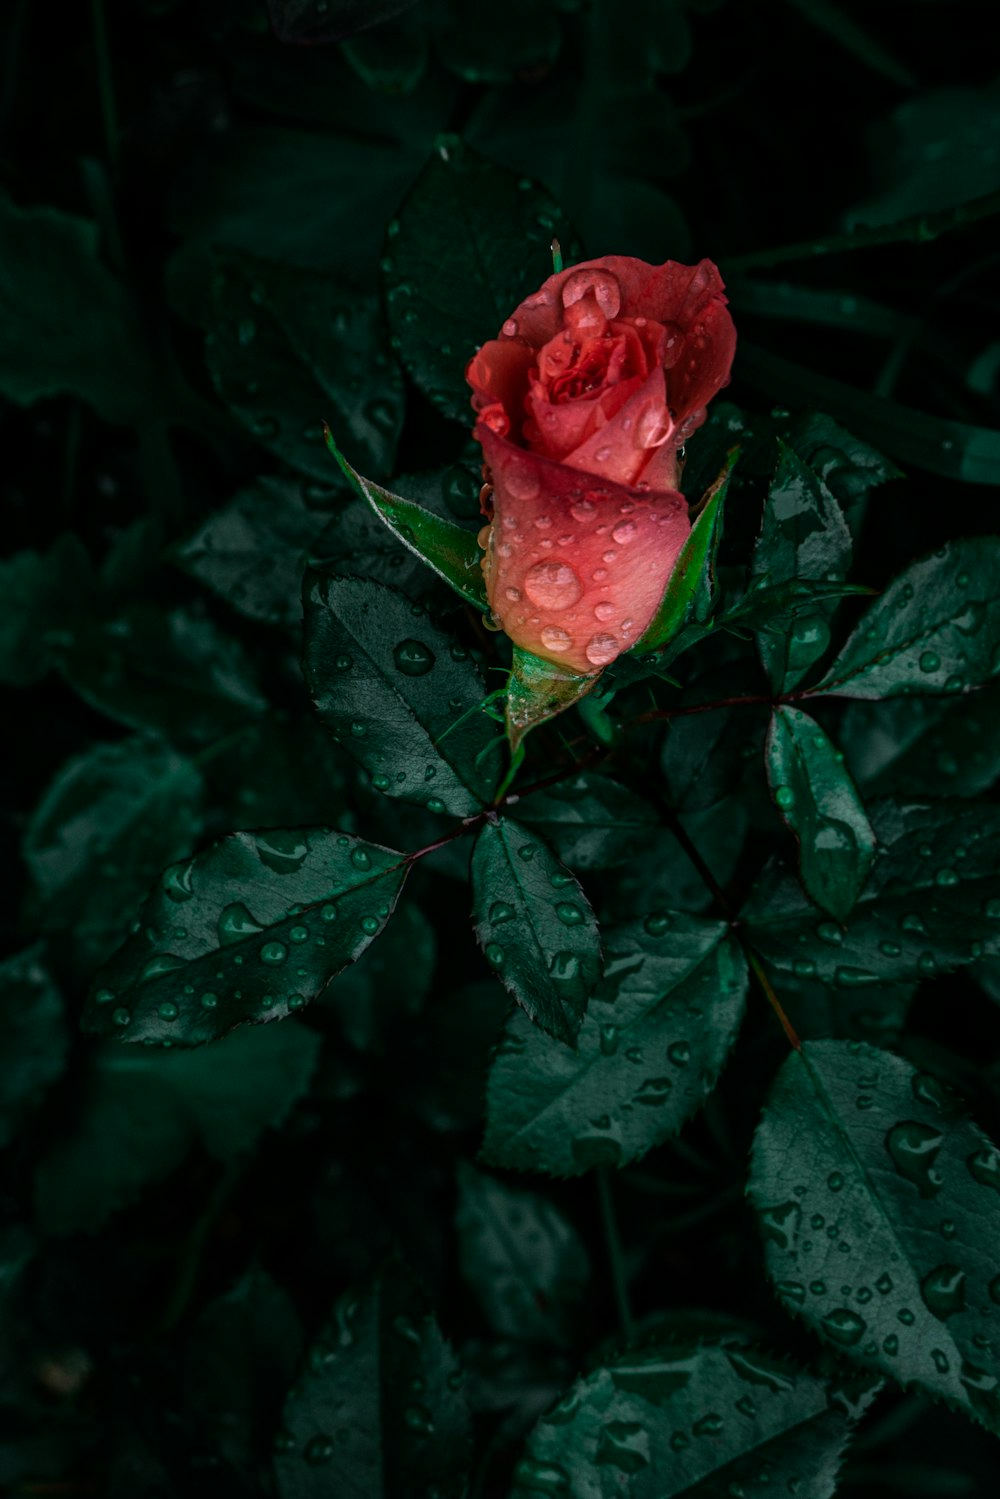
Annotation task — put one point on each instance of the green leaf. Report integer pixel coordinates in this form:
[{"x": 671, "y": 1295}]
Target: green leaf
[
  {"x": 838, "y": 24},
  {"x": 69, "y": 324},
  {"x": 291, "y": 349},
  {"x": 819, "y": 802},
  {"x": 935, "y": 629},
  {"x": 877, "y": 1199},
  {"x": 248, "y": 189},
  {"x": 391, "y": 57},
  {"x": 398, "y": 694},
  {"x": 378, "y": 1410},
  {"x": 849, "y": 467},
  {"x": 40, "y": 593},
  {"x": 676, "y": 1418},
  {"x": 590, "y": 820},
  {"x": 922, "y": 746},
  {"x": 483, "y": 45},
  {"x": 535, "y": 926},
  {"x": 451, "y": 550},
  {"x": 177, "y": 674},
  {"x": 103, "y": 829},
  {"x": 950, "y": 449},
  {"x": 654, "y": 1039},
  {"x": 704, "y": 755},
  {"x": 689, "y": 594},
  {"x": 143, "y": 1109},
  {"x": 253, "y": 551},
  {"x": 389, "y": 982},
  {"x": 931, "y": 902},
  {"x": 660, "y": 873},
  {"x": 803, "y": 535},
  {"x": 250, "y": 929},
  {"x": 471, "y": 242},
  {"x": 35, "y": 1038},
  {"x": 522, "y": 1258},
  {"x": 536, "y": 691}
]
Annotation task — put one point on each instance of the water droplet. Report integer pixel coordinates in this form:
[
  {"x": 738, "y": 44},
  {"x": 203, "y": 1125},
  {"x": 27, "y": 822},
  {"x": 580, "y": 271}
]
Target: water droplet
[
  {"x": 168, "y": 1010},
  {"x": 494, "y": 954},
  {"x": 835, "y": 1181},
  {"x": 369, "y": 925},
  {"x": 929, "y": 661},
  {"x": 541, "y": 1478},
  {"x": 843, "y": 1327},
  {"x": 828, "y": 931},
  {"x": 500, "y": 911},
  {"x": 413, "y": 658},
  {"x": 273, "y": 953},
  {"x": 121, "y": 1016},
  {"x": 657, "y": 922},
  {"x": 943, "y": 1291},
  {"x": 654, "y": 1091},
  {"x": 601, "y": 649},
  {"x": 555, "y": 639},
  {"x": 984, "y": 1167},
  {"x": 784, "y": 796},
  {"x": 552, "y": 585},
  {"x": 360, "y": 859},
  {"x": 209, "y": 1001},
  {"x": 914, "y": 1148},
  {"x": 569, "y": 914}
]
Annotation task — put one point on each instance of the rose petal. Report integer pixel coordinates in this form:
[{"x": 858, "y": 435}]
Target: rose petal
[
  {"x": 619, "y": 451},
  {"x": 576, "y": 567},
  {"x": 499, "y": 372}
]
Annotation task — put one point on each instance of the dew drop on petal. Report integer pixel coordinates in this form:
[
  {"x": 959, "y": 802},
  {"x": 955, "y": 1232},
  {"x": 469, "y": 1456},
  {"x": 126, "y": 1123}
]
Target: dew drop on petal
[
  {"x": 624, "y": 533},
  {"x": 604, "y": 611},
  {"x": 605, "y": 288},
  {"x": 601, "y": 649},
  {"x": 555, "y": 639},
  {"x": 552, "y": 585},
  {"x": 522, "y": 481},
  {"x": 510, "y": 327},
  {"x": 514, "y": 594}
]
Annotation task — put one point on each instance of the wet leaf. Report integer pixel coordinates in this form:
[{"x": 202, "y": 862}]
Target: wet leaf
[
  {"x": 389, "y": 983},
  {"x": 249, "y": 930},
  {"x": 398, "y": 694},
  {"x": 522, "y": 1258},
  {"x": 590, "y": 820},
  {"x": 803, "y": 535},
  {"x": 689, "y": 594},
  {"x": 535, "y": 926},
  {"x": 290, "y": 349},
  {"x": 924, "y": 746},
  {"x": 448, "y": 292},
  {"x": 676, "y": 1418},
  {"x": 934, "y": 629},
  {"x": 877, "y": 1201},
  {"x": 378, "y": 1410},
  {"x": 40, "y": 596},
  {"x": 931, "y": 902},
  {"x": 656, "y": 1034},
  {"x": 103, "y": 829},
  {"x": 819, "y": 802}
]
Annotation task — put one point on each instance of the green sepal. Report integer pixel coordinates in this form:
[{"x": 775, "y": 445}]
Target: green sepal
[
  {"x": 537, "y": 690},
  {"x": 449, "y": 549},
  {"x": 688, "y": 595}
]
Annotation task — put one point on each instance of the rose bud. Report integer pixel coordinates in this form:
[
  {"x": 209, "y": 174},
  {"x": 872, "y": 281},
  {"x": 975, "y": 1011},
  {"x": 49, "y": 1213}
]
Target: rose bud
[{"x": 582, "y": 403}]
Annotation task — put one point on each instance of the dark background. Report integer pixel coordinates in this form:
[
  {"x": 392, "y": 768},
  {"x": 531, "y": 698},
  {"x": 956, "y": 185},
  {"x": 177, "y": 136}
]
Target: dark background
[{"x": 187, "y": 133}]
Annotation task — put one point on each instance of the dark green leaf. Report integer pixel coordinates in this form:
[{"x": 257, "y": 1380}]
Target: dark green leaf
[
  {"x": 654, "y": 1039},
  {"x": 704, "y": 754},
  {"x": 677, "y": 1419},
  {"x": 923, "y": 746},
  {"x": 590, "y": 820},
  {"x": 803, "y": 535},
  {"x": 242, "y": 1356},
  {"x": 484, "y": 45},
  {"x": 522, "y": 1258},
  {"x": 470, "y": 243},
  {"x": 102, "y": 831},
  {"x": 689, "y": 595},
  {"x": 290, "y": 349},
  {"x": 248, "y": 192},
  {"x": 39, "y": 597},
  {"x": 848, "y": 467},
  {"x": 69, "y": 324},
  {"x": 176, "y": 674},
  {"x": 391, "y": 57},
  {"x": 935, "y": 629},
  {"x": 399, "y": 694},
  {"x": 661, "y": 873},
  {"x": 951, "y": 449},
  {"x": 249, "y": 930},
  {"x": 538, "y": 690},
  {"x": 877, "y": 1199},
  {"x": 535, "y": 926},
  {"x": 143, "y": 1108},
  {"x": 932, "y": 901},
  {"x": 818, "y": 800},
  {"x": 390, "y": 982},
  {"x": 451, "y": 550},
  {"x": 253, "y": 552},
  {"x": 34, "y": 1038},
  {"x": 378, "y": 1412}
]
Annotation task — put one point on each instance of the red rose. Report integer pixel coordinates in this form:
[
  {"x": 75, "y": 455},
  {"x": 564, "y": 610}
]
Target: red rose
[{"x": 593, "y": 384}]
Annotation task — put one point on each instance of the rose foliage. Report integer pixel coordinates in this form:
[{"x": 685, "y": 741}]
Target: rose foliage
[{"x": 503, "y": 994}]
